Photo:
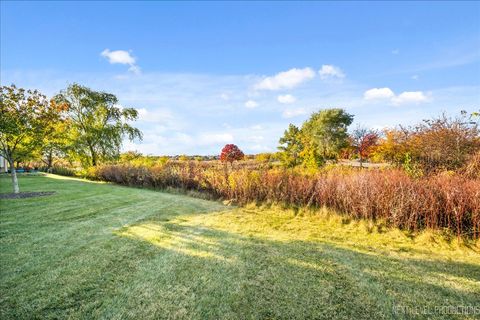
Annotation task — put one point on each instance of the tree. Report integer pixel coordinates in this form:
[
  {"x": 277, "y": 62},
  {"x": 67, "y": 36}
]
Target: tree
[
  {"x": 183, "y": 158},
  {"x": 26, "y": 118},
  {"x": 474, "y": 117},
  {"x": 363, "y": 140},
  {"x": 393, "y": 146},
  {"x": 291, "y": 146},
  {"x": 129, "y": 156},
  {"x": 326, "y": 132},
  {"x": 230, "y": 153},
  {"x": 98, "y": 124},
  {"x": 55, "y": 145},
  {"x": 264, "y": 157}
]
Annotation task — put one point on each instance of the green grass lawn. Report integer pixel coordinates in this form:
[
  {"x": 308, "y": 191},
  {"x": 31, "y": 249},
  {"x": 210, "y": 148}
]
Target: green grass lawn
[{"x": 95, "y": 250}]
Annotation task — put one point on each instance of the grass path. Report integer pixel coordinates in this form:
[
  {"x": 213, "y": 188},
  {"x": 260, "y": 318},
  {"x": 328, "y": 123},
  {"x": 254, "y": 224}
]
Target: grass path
[{"x": 95, "y": 250}]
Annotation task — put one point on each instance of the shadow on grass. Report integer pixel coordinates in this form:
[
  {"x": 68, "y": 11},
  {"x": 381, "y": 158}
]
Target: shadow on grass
[{"x": 251, "y": 277}]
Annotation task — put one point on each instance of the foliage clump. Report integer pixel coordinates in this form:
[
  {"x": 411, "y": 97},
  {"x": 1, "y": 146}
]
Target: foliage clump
[
  {"x": 97, "y": 124},
  {"x": 321, "y": 138},
  {"x": 231, "y": 153},
  {"x": 434, "y": 145}
]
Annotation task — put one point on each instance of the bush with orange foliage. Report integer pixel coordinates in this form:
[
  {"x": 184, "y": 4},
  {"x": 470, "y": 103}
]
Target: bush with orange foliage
[{"x": 435, "y": 145}]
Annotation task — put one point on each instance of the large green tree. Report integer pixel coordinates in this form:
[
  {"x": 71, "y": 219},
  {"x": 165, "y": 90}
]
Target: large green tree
[
  {"x": 291, "y": 146},
  {"x": 326, "y": 132},
  {"x": 97, "y": 124},
  {"x": 56, "y": 144},
  {"x": 26, "y": 119}
]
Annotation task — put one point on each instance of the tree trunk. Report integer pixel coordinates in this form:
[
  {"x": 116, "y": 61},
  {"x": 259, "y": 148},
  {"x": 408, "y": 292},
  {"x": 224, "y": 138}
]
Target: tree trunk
[
  {"x": 49, "y": 161},
  {"x": 14, "y": 177},
  {"x": 359, "y": 152},
  {"x": 94, "y": 156}
]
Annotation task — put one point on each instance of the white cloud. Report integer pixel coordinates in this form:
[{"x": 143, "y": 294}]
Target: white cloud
[
  {"x": 156, "y": 116},
  {"x": 255, "y": 138},
  {"x": 214, "y": 138},
  {"x": 157, "y": 141},
  {"x": 415, "y": 77},
  {"x": 410, "y": 97},
  {"x": 286, "y": 99},
  {"x": 121, "y": 57},
  {"x": 329, "y": 71},
  {"x": 260, "y": 148},
  {"x": 134, "y": 69},
  {"x": 395, "y": 51},
  {"x": 182, "y": 138},
  {"x": 118, "y": 56},
  {"x": 403, "y": 98},
  {"x": 286, "y": 79},
  {"x": 378, "y": 93},
  {"x": 290, "y": 113},
  {"x": 251, "y": 104},
  {"x": 225, "y": 96}
]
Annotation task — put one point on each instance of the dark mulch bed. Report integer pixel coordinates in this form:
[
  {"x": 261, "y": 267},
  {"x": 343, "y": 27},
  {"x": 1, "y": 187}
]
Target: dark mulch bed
[{"x": 23, "y": 195}]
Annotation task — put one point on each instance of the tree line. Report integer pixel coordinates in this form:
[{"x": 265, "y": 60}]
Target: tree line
[
  {"x": 437, "y": 144},
  {"x": 86, "y": 127}
]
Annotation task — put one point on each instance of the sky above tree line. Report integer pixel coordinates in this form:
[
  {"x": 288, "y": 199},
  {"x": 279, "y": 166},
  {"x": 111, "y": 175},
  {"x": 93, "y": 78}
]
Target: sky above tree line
[{"x": 206, "y": 74}]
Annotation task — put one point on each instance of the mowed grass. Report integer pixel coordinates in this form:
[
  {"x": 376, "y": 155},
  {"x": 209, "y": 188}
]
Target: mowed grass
[{"x": 96, "y": 250}]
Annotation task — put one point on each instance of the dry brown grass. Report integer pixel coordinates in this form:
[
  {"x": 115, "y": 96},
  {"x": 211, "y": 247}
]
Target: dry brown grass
[{"x": 447, "y": 200}]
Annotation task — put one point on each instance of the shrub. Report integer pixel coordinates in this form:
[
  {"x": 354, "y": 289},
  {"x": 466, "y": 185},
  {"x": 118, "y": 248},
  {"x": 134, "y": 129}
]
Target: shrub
[
  {"x": 435, "y": 145},
  {"x": 62, "y": 171}
]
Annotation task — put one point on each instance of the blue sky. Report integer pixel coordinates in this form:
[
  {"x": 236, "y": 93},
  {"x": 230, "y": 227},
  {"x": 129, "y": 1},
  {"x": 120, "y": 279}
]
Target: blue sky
[{"x": 206, "y": 74}]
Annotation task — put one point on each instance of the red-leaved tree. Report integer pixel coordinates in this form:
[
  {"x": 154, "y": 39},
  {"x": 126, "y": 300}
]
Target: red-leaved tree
[
  {"x": 364, "y": 140},
  {"x": 231, "y": 153}
]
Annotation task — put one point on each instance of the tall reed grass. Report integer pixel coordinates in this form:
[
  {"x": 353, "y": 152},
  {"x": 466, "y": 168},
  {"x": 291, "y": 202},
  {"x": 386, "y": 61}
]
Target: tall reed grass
[{"x": 448, "y": 201}]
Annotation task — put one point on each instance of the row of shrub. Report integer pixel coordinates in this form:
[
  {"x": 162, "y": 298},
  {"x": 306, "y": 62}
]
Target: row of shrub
[
  {"x": 449, "y": 201},
  {"x": 60, "y": 170}
]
